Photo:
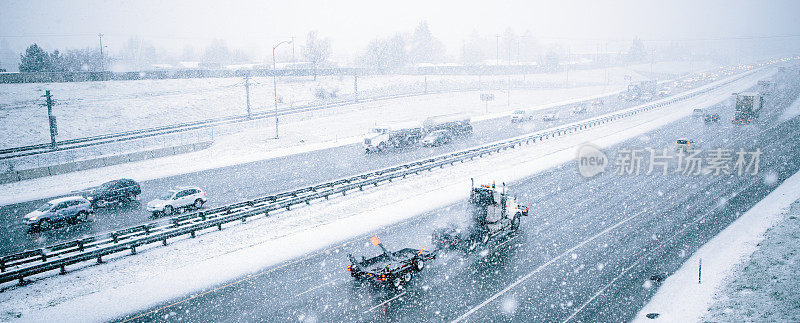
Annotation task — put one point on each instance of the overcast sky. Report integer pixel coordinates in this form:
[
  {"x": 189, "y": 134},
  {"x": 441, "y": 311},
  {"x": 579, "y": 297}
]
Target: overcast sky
[{"x": 255, "y": 25}]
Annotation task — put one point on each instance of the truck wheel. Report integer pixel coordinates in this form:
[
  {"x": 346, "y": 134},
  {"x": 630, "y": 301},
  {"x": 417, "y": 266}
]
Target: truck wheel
[
  {"x": 45, "y": 224},
  {"x": 397, "y": 282},
  {"x": 515, "y": 222},
  {"x": 419, "y": 264},
  {"x": 407, "y": 276},
  {"x": 100, "y": 203},
  {"x": 472, "y": 245},
  {"x": 82, "y": 217}
]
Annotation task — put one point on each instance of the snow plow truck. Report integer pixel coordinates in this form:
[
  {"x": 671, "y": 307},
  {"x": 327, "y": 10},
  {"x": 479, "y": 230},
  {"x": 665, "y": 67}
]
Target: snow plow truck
[{"x": 494, "y": 214}]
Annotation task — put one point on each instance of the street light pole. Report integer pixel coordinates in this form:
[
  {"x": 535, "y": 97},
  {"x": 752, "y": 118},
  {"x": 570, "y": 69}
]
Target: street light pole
[
  {"x": 275, "y": 84},
  {"x": 497, "y": 51},
  {"x": 102, "y": 58}
]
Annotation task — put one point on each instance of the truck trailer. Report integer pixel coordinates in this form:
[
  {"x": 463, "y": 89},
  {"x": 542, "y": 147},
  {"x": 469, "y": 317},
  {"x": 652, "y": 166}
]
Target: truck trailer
[
  {"x": 747, "y": 108},
  {"x": 401, "y": 135}
]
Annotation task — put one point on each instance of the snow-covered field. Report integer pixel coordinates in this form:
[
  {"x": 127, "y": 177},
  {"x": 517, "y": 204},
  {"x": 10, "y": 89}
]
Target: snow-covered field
[
  {"x": 162, "y": 273},
  {"x": 91, "y": 108},
  {"x": 682, "y": 299}
]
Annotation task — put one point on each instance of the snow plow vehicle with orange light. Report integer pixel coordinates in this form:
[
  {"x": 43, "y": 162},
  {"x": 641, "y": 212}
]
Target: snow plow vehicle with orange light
[
  {"x": 493, "y": 215},
  {"x": 395, "y": 268}
]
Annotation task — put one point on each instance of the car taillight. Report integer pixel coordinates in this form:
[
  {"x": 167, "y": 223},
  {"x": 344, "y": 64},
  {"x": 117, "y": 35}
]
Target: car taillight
[{"x": 349, "y": 267}]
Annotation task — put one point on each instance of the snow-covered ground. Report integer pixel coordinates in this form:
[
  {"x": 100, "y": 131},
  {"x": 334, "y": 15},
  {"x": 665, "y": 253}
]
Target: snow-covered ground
[
  {"x": 252, "y": 141},
  {"x": 765, "y": 286},
  {"x": 91, "y": 108},
  {"x": 682, "y": 299},
  {"x": 158, "y": 273}
]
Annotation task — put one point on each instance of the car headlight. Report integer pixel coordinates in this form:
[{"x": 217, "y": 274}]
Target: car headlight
[{"x": 34, "y": 218}]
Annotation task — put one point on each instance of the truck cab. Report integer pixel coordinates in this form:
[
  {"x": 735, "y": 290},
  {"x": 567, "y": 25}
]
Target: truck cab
[
  {"x": 494, "y": 214},
  {"x": 385, "y": 137}
]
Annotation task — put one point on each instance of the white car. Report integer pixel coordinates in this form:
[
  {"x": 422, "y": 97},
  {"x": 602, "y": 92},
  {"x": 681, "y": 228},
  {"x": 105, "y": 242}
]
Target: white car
[
  {"x": 184, "y": 197},
  {"x": 521, "y": 116},
  {"x": 549, "y": 117}
]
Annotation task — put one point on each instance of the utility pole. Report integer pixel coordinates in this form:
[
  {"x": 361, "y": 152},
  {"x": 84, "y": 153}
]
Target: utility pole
[
  {"x": 275, "y": 84},
  {"x": 355, "y": 86},
  {"x": 508, "y": 93},
  {"x": 497, "y": 51},
  {"x": 51, "y": 119},
  {"x": 247, "y": 93},
  {"x": 293, "y": 59},
  {"x": 102, "y": 58},
  {"x": 569, "y": 55}
]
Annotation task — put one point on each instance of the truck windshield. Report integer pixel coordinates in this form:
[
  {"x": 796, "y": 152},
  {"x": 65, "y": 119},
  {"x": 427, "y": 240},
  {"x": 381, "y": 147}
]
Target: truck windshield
[{"x": 683, "y": 142}]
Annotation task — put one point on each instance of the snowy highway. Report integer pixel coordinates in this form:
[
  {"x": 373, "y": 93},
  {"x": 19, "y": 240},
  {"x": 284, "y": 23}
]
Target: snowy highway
[
  {"x": 247, "y": 181},
  {"x": 592, "y": 250}
]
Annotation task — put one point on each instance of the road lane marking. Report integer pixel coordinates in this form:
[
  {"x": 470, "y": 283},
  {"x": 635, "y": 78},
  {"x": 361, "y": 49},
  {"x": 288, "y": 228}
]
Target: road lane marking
[
  {"x": 538, "y": 269},
  {"x": 696, "y": 220},
  {"x": 317, "y": 287},
  {"x": 600, "y": 292},
  {"x": 312, "y": 255},
  {"x": 541, "y": 267},
  {"x": 384, "y": 303}
]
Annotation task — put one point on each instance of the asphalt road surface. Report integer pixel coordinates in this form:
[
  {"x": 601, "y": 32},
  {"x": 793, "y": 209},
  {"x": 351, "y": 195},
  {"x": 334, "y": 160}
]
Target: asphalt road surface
[
  {"x": 591, "y": 250},
  {"x": 251, "y": 180}
]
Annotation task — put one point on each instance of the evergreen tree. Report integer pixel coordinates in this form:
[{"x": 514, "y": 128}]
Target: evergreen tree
[{"x": 35, "y": 59}]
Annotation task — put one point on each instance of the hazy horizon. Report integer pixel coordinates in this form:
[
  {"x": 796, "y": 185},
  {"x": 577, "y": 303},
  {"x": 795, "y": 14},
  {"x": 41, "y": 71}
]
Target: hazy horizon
[{"x": 254, "y": 26}]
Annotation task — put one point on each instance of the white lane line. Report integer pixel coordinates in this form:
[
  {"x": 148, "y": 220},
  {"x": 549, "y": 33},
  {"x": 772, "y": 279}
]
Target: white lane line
[
  {"x": 601, "y": 291},
  {"x": 315, "y": 288},
  {"x": 384, "y": 303},
  {"x": 538, "y": 269}
]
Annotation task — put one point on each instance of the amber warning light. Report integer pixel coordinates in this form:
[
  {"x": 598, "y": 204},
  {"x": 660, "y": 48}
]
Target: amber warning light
[{"x": 375, "y": 241}]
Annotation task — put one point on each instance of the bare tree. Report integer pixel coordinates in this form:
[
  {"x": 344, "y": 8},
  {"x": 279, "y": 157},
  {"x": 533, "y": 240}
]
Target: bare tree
[
  {"x": 317, "y": 51},
  {"x": 384, "y": 54}
]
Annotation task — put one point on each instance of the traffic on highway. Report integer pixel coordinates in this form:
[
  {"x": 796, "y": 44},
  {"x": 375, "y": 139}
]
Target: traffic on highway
[{"x": 433, "y": 162}]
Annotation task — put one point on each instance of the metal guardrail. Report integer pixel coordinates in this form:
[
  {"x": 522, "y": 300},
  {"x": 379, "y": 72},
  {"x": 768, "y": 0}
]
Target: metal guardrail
[
  {"x": 37, "y": 149},
  {"x": 19, "y": 265}
]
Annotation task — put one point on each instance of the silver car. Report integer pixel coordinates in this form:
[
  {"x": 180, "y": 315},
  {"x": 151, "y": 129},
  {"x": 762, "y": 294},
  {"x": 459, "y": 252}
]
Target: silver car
[
  {"x": 182, "y": 197},
  {"x": 72, "y": 209}
]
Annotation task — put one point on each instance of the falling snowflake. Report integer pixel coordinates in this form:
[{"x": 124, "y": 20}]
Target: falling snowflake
[{"x": 509, "y": 305}]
